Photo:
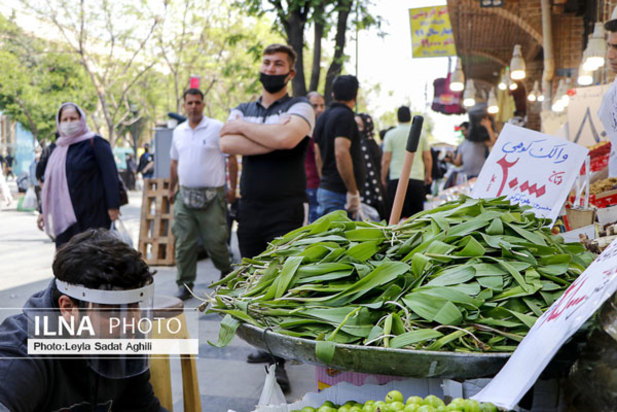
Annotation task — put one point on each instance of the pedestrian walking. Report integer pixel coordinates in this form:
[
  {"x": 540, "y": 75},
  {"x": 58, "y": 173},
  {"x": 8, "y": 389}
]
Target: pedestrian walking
[
  {"x": 5, "y": 192},
  {"x": 10, "y": 161},
  {"x": 338, "y": 139},
  {"x": 81, "y": 188},
  {"x": 471, "y": 155},
  {"x": 395, "y": 143},
  {"x": 197, "y": 188},
  {"x": 271, "y": 134},
  {"x": 146, "y": 163},
  {"x": 131, "y": 171}
]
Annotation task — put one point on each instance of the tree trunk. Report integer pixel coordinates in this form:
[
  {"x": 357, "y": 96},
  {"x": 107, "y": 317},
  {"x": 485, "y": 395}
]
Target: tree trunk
[
  {"x": 316, "y": 70},
  {"x": 294, "y": 28},
  {"x": 334, "y": 70}
]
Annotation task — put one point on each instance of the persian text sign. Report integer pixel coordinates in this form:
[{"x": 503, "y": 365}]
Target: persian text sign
[
  {"x": 431, "y": 32},
  {"x": 531, "y": 168},
  {"x": 555, "y": 326}
]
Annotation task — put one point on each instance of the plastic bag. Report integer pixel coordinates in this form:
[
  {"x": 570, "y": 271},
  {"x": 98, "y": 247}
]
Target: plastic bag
[
  {"x": 118, "y": 229},
  {"x": 368, "y": 212},
  {"x": 272, "y": 398},
  {"x": 30, "y": 201}
]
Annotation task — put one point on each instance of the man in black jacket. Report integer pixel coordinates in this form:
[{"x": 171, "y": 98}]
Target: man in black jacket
[{"x": 95, "y": 266}]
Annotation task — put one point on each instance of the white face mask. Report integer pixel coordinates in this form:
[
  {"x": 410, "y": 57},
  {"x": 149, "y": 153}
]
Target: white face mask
[{"x": 69, "y": 129}]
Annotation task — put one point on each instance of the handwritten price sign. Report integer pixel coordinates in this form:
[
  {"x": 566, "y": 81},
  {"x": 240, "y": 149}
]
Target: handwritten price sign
[
  {"x": 581, "y": 300},
  {"x": 531, "y": 168},
  {"x": 431, "y": 32}
]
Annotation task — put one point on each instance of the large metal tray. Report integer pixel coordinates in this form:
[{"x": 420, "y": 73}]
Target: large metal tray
[{"x": 376, "y": 360}]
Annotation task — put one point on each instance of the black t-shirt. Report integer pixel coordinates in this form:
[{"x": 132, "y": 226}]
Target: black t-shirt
[{"x": 338, "y": 121}]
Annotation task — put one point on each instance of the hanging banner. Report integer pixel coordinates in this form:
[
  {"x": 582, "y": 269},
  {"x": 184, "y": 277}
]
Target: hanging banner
[
  {"x": 531, "y": 168},
  {"x": 578, "y": 303},
  {"x": 431, "y": 32}
]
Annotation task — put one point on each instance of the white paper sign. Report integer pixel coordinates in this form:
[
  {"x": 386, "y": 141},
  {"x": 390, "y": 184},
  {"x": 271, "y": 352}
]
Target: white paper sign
[
  {"x": 530, "y": 168},
  {"x": 584, "y": 125},
  {"x": 554, "y": 327}
]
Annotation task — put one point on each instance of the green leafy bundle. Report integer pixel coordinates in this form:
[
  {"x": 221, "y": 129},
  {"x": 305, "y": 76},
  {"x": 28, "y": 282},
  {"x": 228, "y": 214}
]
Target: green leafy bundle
[{"x": 470, "y": 275}]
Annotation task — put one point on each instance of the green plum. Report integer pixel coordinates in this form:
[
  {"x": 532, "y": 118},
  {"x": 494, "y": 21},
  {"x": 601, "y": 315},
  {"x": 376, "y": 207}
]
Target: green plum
[
  {"x": 368, "y": 407},
  {"x": 472, "y": 406},
  {"x": 433, "y": 401},
  {"x": 488, "y": 407},
  {"x": 394, "y": 396},
  {"x": 414, "y": 400},
  {"x": 380, "y": 406},
  {"x": 397, "y": 405}
]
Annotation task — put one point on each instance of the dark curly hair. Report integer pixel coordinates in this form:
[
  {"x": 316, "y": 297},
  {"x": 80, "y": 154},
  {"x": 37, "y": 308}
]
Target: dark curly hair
[{"x": 97, "y": 259}]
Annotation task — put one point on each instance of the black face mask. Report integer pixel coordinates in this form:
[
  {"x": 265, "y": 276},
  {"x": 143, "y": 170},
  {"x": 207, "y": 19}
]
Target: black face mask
[{"x": 273, "y": 82}]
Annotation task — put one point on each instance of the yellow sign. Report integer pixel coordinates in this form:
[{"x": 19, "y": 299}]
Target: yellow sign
[{"x": 431, "y": 32}]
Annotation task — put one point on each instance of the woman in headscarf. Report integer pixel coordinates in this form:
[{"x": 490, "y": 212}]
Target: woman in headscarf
[
  {"x": 80, "y": 185},
  {"x": 372, "y": 193}
]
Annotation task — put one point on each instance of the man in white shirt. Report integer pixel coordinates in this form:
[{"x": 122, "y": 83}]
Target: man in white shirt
[
  {"x": 197, "y": 183},
  {"x": 608, "y": 108}
]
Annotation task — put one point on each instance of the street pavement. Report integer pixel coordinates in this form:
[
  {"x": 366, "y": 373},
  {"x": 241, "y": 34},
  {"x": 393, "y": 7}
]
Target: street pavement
[{"x": 226, "y": 381}]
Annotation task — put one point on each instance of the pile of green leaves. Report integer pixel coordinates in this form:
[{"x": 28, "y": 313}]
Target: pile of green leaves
[{"x": 470, "y": 275}]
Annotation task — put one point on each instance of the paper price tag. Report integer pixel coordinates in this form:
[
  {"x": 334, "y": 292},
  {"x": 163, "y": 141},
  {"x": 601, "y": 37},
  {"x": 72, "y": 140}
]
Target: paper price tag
[
  {"x": 531, "y": 168},
  {"x": 578, "y": 303}
]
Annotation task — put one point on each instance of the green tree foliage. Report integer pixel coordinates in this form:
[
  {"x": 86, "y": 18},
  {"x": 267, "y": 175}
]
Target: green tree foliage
[
  {"x": 35, "y": 78},
  {"x": 221, "y": 45},
  {"x": 111, "y": 41},
  {"x": 293, "y": 17}
]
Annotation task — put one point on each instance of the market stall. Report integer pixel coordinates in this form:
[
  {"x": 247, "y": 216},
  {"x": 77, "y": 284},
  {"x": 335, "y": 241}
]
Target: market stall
[{"x": 449, "y": 294}]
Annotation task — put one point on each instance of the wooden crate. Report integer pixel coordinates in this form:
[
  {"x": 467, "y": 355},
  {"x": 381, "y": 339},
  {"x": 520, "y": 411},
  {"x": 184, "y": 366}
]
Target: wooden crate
[{"x": 156, "y": 241}]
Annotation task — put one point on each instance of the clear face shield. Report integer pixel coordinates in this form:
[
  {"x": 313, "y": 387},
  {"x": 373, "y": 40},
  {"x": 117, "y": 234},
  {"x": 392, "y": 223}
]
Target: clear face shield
[{"x": 117, "y": 322}]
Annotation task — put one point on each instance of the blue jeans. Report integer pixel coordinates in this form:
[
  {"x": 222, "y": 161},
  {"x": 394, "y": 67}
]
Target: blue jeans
[
  {"x": 313, "y": 205},
  {"x": 330, "y": 201}
]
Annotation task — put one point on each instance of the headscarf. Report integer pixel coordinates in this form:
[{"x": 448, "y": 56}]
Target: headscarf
[
  {"x": 58, "y": 212},
  {"x": 369, "y": 127}
]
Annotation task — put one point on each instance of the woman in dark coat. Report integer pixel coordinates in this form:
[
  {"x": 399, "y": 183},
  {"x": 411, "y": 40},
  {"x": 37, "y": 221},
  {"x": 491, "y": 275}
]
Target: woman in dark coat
[
  {"x": 372, "y": 193},
  {"x": 80, "y": 179}
]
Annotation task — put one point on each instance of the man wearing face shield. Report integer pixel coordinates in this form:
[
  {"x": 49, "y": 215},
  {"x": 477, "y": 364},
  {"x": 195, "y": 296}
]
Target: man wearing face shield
[
  {"x": 100, "y": 278},
  {"x": 271, "y": 134}
]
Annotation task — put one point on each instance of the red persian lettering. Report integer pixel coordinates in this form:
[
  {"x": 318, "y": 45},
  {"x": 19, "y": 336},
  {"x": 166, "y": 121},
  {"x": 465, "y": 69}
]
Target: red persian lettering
[{"x": 568, "y": 300}]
